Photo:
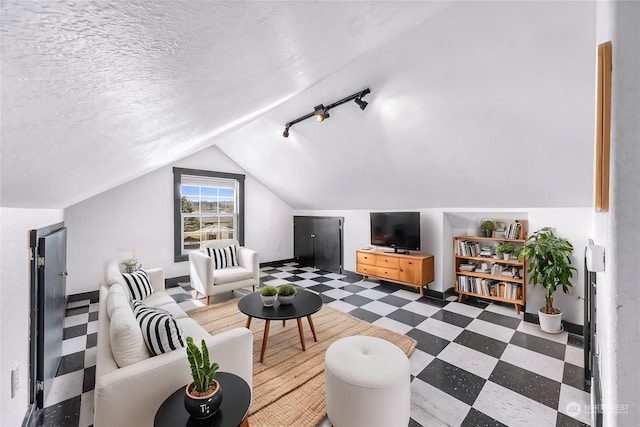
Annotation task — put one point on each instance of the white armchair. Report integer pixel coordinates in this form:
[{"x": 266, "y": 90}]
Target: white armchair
[{"x": 209, "y": 281}]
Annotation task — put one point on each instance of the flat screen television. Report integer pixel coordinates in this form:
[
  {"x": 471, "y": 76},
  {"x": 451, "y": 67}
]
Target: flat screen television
[{"x": 397, "y": 230}]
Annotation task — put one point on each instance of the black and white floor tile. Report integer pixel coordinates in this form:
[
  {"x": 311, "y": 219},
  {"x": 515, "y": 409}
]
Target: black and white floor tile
[{"x": 475, "y": 364}]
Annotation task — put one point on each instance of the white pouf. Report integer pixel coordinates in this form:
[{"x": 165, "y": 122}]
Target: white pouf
[{"x": 367, "y": 383}]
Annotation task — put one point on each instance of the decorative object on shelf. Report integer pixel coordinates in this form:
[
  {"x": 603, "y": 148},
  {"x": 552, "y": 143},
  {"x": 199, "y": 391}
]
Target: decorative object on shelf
[
  {"x": 286, "y": 293},
  {"x": 486, "y": 228},
  {"x": 269, "y": 295},
  {"x": 550, "y": 266},
  {"x": 130, "y": 265},
  {"x": 203, "y": 396},
  {"x": 321, "y": 112},
  {"x": 505, "y": 249}
]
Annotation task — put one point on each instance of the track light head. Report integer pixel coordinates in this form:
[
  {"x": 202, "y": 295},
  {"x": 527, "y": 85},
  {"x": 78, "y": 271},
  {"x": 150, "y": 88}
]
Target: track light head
[
  {"x": 361, "y": 103},
  {"x": 286, "y": 131},
  {"x": 321, "y": 112}
]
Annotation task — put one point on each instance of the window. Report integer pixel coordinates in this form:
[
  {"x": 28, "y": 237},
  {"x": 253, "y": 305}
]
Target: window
[{"x": 207, "y": 206}]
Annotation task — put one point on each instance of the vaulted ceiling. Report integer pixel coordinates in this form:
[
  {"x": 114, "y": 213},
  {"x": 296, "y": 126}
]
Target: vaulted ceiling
[{"x": 476, "y": 104}]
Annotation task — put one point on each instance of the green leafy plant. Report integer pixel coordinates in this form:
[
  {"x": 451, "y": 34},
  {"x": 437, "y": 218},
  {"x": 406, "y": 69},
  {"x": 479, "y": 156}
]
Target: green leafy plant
[
  {"x": 549, "y": 264},
  {"x": 268, "y": 291},
  {"x": 487, "y": 224},
  {"x": 286, "y": 290},
  {"x": 505, "y": 248},
  {"x": 130, "y": 265},
  {"x": 202, "y": 371}
]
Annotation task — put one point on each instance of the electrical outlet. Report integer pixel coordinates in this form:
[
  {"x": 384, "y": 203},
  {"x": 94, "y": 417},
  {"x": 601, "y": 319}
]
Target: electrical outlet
[{"x": 15, "y": 380}]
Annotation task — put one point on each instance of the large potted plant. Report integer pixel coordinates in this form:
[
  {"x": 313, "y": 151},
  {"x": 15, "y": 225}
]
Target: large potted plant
[
  {"x": 203, "y": 396},
  {"x": 550, "y": 266}
]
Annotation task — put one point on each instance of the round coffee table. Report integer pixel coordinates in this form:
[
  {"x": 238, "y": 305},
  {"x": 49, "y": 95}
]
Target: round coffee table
[
  {"x": 236, "y": 398},
  {"x": 304, "y": 304}
]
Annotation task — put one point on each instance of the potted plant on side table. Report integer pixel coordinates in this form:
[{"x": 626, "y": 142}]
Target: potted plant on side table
[
  {"x": 505, "y": 249},
  {"x": 268, "y": 294},
  {"x": 203, "y": 396},
  {"x": 550, "y": 266},
  {"x": 486, "y": 227}
]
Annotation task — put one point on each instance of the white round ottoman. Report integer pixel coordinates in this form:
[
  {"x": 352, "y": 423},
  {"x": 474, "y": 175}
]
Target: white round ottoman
[{"x": 367, "y": 383}]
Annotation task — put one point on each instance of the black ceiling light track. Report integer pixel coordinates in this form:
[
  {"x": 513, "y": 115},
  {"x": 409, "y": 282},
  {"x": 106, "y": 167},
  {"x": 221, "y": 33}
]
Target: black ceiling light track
[{"x": 321, "y": 112}]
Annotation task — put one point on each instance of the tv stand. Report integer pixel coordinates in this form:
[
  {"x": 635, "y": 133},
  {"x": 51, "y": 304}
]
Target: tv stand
[{"x": 414, "y": 270}]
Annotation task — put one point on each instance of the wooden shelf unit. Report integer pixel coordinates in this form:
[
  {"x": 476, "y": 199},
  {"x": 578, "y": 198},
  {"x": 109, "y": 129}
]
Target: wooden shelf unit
[
  {"x": 414, "y": 270},
  {"x": 521, "y": 298}
]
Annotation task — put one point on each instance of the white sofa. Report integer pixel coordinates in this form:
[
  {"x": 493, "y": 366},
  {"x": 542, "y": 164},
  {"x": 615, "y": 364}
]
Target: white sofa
[
  {"x": 131, "y": 395},
  {"x": 209, "y": 281}
]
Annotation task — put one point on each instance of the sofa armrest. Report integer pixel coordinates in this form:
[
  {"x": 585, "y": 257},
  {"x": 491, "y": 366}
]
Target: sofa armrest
[
  {"x": 156, "y": 277},
  {"x": 200, "y": 271},
  {"x": 131, "y": 396},
  {"x": 248, "y": 258}
]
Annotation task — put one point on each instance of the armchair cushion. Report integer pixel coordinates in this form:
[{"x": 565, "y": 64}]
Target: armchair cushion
[
  {"x": 223, "y": 257},
  {"x": 138, "y": 284},
  {"x": 160, "y": 330},
  {"x": 231, "y": 274}
]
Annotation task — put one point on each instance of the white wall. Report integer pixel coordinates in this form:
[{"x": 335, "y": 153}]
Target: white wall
[
  {"x": 139, "y": 215},
  {"x": 574, "y": 224},
  {"x": 618, "y": 295},
  {"x": 14, "y": 304}
]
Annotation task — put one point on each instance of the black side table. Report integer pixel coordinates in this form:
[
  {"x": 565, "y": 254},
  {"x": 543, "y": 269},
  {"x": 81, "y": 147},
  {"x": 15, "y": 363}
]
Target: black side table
[{"x": 236, "y": 398}]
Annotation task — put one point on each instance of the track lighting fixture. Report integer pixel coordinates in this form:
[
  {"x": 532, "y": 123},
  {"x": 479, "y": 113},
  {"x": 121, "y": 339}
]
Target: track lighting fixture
[{"x": 321, "y": 112}]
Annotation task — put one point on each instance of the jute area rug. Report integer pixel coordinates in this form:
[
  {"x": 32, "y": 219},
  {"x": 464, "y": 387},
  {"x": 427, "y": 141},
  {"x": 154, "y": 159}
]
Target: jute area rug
[{"x": 288, "y": 387}]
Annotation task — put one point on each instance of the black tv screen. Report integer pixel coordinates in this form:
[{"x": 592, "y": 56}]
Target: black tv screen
[{"x": 399, "y": 230}]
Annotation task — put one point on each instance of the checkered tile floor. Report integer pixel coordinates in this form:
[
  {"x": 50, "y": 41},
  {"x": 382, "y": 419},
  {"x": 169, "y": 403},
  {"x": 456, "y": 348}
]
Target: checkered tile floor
[{"x": 476, "y": 364}]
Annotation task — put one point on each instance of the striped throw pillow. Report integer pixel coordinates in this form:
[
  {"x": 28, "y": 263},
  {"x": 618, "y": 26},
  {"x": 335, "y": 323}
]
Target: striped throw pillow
[
  {"x": 139, "y": 284},
  {"x": 223, "y": 257},
  {"x": 160, "y": 330}
]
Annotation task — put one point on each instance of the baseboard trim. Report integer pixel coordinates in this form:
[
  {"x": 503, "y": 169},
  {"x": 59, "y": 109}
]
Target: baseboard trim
[
  {"x": 276, "y": 263},
  {"x": 90, "y": 295},
  {"x": 572, "y": 328}
]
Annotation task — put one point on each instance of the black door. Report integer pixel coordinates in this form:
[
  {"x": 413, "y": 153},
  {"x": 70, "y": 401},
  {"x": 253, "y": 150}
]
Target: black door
[
  {"x": 48, "y": 304},
  {"x": 318, "y": 242},
  {"x": 327, "y": 244},
  {"x": 303, "y": 239}
]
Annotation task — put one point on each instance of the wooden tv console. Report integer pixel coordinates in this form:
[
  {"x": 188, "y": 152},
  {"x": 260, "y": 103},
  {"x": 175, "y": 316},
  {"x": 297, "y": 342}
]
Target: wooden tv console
[{"x": 414, "y": 270}]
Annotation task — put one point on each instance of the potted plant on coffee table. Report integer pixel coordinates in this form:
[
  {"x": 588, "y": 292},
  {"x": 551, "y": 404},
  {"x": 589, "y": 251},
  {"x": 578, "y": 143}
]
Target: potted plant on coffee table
[
  {"x": 486, "y": 227},
  {"x": 268, "y": 294},
  {"x": 550, "y": 266},
  {"x": 203, "y": 396},
  {"x": 286, "y": 293},
  {"x": 505, "y": 249}
]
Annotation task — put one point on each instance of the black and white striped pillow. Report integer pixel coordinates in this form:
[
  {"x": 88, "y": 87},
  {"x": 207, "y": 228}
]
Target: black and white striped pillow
[
  {"x": 159, "y": 329},
  {"x": 223, "y": 257},
  {"x": 139, "y": 284}
]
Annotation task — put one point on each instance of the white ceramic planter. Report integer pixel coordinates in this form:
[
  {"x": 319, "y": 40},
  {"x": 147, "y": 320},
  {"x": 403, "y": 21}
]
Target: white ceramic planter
[
  {"x": 550, "y": 323},
  {"x": 506, "y": 256},
  {"x": 269, "y": 301}
]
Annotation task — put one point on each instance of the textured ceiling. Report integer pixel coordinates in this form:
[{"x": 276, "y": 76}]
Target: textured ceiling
[
  {"x": 95, "y": 93},
  {"x": 472, "y": 104}
]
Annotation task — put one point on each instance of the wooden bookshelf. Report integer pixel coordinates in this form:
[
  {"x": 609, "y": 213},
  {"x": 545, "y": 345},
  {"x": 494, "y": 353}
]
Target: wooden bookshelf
[{"x": 487, "y": 285}]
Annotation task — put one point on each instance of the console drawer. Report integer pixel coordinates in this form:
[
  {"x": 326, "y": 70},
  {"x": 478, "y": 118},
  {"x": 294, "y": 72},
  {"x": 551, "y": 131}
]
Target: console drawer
[
  {"x": 366, "y": 258},
  {"x": 387, "y": 273},
  {"x": 387, "y": 261}
]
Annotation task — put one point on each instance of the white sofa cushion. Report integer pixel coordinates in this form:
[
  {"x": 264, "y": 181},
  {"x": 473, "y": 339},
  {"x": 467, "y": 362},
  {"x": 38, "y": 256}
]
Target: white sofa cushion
[
  {"x": 116, "y": 298},
  {"x": 138, "y": 284},
  {"x": 158, "y": 299},
  {"x": 223, "y": 257},
  {"x": 230, "y": 274},
  {"x": 127, "y": 344},
  {"x": 160, "y": 330}
]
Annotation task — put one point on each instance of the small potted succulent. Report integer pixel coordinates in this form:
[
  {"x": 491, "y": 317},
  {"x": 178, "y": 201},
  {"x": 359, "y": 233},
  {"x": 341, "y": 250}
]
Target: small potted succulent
[
  {"x": 286, "y": 293},
  {"x": 506, "y": 249},
  {"x": 486, "y": 227},
  {"x": 203, "y": 396},
  {"x": 130, "y": 265},
  {"x": 268, "y": 294}
]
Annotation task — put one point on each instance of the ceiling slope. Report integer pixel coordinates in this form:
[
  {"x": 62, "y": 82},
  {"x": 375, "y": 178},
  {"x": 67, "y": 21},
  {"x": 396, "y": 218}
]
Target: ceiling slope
[
  {"x": 485, "y": 105},
  {"x": 96, "y": 93}
]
